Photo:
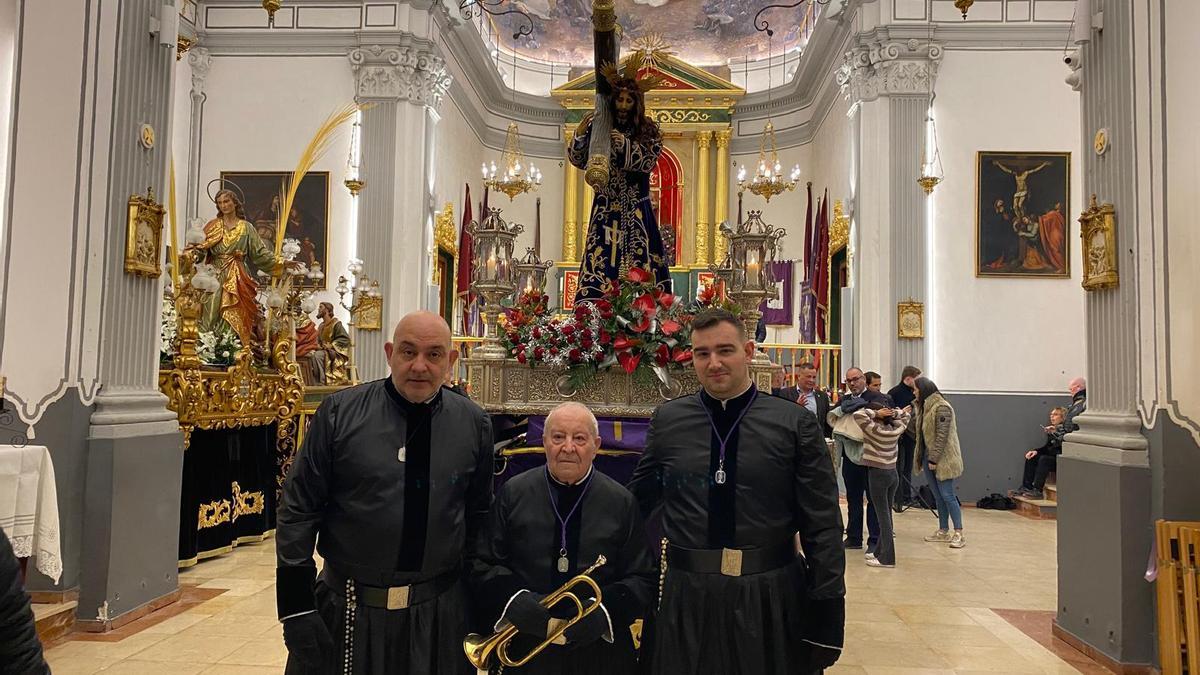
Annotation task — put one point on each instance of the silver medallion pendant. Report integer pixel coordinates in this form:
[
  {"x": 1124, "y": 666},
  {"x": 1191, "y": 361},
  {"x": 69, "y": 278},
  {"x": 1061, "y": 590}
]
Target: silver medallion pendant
[
  {"x": 719, "y": 476},
  {"x": 401, "y": 454},
  {"x": 563, "y": 564}
]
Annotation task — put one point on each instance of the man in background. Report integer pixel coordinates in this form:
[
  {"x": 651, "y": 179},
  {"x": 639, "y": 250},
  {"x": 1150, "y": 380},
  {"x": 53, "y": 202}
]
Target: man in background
[
  {"x": 806, "y": 394},
  {"x": 903, "y": 395}
]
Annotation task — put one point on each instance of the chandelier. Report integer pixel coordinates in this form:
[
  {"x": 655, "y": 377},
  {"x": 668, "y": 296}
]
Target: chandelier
[
  {"x": 769, "y": 179},
  {"x": 516, "y": 176}
]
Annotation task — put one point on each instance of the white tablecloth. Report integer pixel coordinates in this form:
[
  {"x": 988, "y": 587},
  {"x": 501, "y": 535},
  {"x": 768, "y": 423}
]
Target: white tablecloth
[{"x": 29, "y": 506}]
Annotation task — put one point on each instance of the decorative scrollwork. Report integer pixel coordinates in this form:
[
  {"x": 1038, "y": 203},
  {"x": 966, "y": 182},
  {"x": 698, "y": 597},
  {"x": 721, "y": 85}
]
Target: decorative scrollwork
[
  {"x": 246, "y": 503},
  {"x": 9, "y": 430},
  {"x": 761, "y": 25},
  {"x": 680, "y": 116},
  {"x": 213, "y": 514},
  {"x": 473, "y": 8},
  {"x": 239, "y": 396}
]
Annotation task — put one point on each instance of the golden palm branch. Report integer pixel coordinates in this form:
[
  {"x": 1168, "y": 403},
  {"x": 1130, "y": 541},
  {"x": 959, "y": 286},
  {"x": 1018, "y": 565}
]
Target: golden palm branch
[
  {"x": 174, "y": 214},
  {"x": 317, "y": 147}
]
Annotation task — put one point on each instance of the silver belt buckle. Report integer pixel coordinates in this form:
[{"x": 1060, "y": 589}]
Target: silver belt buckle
[
  {"x": 398, "y": 597},
  {"x": 731, "y": 562}
]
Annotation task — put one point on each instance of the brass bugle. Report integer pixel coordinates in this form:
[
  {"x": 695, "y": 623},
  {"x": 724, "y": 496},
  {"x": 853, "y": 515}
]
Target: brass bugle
[{"x": 480, "y": 649}]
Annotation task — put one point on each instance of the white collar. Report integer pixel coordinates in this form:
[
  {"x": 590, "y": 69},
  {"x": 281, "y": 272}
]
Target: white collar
[{"x": 725, "y": 401}]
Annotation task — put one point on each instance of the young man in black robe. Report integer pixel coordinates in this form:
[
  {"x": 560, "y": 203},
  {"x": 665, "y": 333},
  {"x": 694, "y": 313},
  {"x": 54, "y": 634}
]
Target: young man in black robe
[
  {"x": 395, "y": 514},
  {"x": 548, "y": 525},
  {"x": 737, "y": 474}
]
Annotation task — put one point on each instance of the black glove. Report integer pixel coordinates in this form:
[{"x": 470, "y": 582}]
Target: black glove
[
  {"x": 308, "y": 639},
  {"x": 527, "y": 614},
  {"x": 591, "y": 628},
  {"x": 820, "y": 658}
]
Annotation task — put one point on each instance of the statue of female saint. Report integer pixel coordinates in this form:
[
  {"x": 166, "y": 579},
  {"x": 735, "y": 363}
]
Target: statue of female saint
[
  {"x": 230, "y": 243},
  {"x": 622, "y": 230}
]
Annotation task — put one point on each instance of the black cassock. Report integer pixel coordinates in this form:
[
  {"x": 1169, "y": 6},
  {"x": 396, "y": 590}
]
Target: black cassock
[
  {"x": 778, "y": 481},
  {"x": 522, "y": 548},
  {"x": 387, "y": 518}
]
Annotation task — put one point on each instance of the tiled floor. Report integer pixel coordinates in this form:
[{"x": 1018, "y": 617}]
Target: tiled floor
[{"x": 983, "y": 608}]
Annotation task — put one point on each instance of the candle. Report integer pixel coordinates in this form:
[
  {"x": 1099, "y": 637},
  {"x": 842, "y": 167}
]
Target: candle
[
  {"x": 537, "y": 229},
  {"x": 490, "y": 266}
]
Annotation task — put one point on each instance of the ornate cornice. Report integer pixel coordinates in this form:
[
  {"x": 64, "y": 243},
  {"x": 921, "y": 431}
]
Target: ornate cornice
[
  {"x": 200, "y": 61},
  {"x": 872, "y": 68},
  {"x": 399, "y": 73}
]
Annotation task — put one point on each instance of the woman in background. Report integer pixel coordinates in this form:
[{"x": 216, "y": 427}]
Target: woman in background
[
  {"x": 939, "y": 457},
  {"x": 882, "y": 428}
]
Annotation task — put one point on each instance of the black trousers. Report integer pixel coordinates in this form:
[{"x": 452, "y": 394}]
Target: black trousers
[
  {"x": 855, "y": 477},
  {"x": 1037, "y": 469},
  {"x": 904, "y": 465},
  {"x": 883, "y": 491}
]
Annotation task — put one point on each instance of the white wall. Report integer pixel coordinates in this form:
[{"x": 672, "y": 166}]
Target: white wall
[
  {"x": 988, "y": 334},
  {"x": 260, "y": 114}
]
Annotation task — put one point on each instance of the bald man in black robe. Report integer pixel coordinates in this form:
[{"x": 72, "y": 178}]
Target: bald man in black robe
[
  {"x": 737, "y": 475},
  {"x": 392, "y": 485},
  {"x": 549, "y": 524}
]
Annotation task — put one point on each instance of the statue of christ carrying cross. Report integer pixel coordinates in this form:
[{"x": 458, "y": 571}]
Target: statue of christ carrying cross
[{"x": 622, "y": 229}]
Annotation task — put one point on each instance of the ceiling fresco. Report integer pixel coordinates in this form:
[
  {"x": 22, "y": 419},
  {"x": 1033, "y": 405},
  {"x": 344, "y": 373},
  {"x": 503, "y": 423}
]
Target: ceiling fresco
[{"x": 701, "y": 32}]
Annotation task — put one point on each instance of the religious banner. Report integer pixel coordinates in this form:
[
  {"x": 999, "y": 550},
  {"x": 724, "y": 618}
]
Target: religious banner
[
  {"x": 466, "y": 265},
  {"x": 820, "y": 271},
  {"x": 778, "y": 311},
  {"x": 808, "y": 305}
]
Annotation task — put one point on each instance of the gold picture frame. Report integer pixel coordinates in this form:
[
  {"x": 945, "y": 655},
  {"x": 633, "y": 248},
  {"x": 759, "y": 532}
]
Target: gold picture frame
[
  {"x": 143, "y": 236},
  {"x": 910, "y": 320},
  {"x": 1098, "y": 233},
  {"x": 367, "y": 313}
]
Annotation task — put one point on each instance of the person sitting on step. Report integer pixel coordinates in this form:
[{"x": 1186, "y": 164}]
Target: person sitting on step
[{"x": 1039, "y": 463}]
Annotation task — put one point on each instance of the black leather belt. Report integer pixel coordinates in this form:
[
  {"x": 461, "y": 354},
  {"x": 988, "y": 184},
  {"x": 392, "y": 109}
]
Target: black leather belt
[
  {"x": 732, "y": 562},
  {"x": 392, "y": 597}
]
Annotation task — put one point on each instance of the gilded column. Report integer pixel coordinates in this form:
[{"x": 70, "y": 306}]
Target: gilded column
[
  {"x": 570, "y": 238},
  {"x": 721, "y": 213},
  {"x": 703, "y": 140}
]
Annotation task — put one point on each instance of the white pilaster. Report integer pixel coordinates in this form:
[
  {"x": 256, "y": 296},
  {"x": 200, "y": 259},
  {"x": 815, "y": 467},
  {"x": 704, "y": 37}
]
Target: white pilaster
[
  {"x": 405, "y": 86},
  {"x": 888, "y": 84}
]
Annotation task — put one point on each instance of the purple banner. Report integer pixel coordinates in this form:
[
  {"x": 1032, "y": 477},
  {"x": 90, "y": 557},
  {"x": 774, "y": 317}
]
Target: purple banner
[
  {"x": 778, "y": 312},
  {"x": 615, "y": 433}
]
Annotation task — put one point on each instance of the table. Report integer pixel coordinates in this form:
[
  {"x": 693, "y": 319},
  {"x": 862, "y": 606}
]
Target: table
[{"x": 29, "y": 506}]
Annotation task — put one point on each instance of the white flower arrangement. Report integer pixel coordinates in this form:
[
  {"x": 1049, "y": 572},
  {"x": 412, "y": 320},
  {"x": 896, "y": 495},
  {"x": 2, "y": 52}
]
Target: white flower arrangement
[
  {"x": 218, "y": 348},
  {"x": 167, "y": 328}
]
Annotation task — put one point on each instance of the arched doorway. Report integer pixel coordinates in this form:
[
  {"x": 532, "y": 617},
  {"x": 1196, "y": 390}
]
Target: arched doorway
[{"x": 666, "y": 196}]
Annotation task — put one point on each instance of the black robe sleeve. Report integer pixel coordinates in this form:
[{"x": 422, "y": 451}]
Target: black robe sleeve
[
  {"x": 492, "y": 579},
  {"x": 305, "y": 494},
  {"x": 646, "y": 484},
  {"x": 479, "y": 494},
  {"x": 820, "y": 526},
  {"x": 627, "y": 598},
  {"x": 20, "y": 649}
]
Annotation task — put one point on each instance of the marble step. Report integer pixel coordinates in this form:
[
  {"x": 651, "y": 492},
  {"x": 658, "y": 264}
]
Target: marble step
[{"x": 1042, "y": 509}]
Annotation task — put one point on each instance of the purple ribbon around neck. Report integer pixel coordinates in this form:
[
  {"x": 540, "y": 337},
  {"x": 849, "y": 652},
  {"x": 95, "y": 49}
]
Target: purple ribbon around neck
[
  {"x": 725, "y": 441},
  {"x": 562, "y": 522}
]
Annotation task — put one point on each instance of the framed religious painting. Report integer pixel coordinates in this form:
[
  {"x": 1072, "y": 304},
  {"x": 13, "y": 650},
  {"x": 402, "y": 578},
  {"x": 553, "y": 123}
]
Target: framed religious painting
[
  {"x": 1021, "y": 202},
  {"x": 308, "y": 222},
  {"x": 143, "y": 236}
]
